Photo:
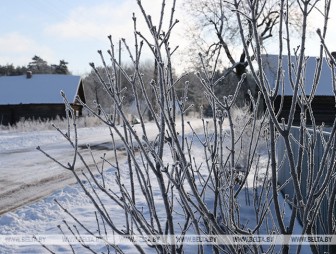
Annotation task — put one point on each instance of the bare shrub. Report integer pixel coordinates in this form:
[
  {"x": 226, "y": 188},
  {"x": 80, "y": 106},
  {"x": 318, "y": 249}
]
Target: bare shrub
[{"x": 175, "y": 177}]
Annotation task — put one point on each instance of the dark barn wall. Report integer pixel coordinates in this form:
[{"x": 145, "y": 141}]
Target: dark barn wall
[
  {"x": 324, "y": 109},
  {"x": 11, "y": 114}
]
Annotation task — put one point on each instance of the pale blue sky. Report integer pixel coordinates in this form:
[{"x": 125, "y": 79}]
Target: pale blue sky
[{"x": 74, "y": 30}]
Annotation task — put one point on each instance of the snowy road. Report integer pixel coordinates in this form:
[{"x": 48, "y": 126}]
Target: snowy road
[{"x": 27, "y": 175}]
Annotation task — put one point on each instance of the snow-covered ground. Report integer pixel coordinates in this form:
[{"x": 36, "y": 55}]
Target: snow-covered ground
[{"x": 27, "y": 175}]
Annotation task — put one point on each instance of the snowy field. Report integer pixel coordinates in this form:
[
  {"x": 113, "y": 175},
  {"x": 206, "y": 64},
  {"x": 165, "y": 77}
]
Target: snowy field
[{"x": 25, "y": 171}]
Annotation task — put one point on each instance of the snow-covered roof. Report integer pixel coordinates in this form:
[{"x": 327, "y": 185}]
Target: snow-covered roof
[
  {"x": 39, "y": 89},
  {"x": 324, "y": 88}
]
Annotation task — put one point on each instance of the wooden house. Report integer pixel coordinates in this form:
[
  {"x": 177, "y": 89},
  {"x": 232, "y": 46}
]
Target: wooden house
[
  {"x": 323, "y": 104},
  {"x": 37, "y": 96}
]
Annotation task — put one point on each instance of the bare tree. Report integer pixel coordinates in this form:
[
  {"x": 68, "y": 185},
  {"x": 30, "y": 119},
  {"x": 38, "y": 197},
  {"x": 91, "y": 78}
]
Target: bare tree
[
  {"x": 214, "y": 30},
  {"x": 179, "y": 178}
]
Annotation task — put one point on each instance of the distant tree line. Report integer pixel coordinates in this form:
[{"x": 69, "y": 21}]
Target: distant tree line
[
  {"x": 96, "y": 95},
  {"x": 189, "y": 81},
  {"x": 37, "y": 66}
]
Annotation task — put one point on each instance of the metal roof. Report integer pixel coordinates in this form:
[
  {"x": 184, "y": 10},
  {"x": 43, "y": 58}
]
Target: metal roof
[
  {"x": 39, "y": 89},
  {"x": 324, "y": 88}
]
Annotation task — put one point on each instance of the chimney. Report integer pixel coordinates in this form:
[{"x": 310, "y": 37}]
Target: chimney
[{"x": 29, "y": 74}]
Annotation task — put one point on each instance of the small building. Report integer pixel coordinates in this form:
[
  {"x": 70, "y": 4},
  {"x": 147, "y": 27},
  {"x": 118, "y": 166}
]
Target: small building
[
  {"x": 37, "y": 96},
  {"x": 323, "y": 104}
]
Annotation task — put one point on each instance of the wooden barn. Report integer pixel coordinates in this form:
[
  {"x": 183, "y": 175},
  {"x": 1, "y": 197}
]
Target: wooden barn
[
  {"x": 38, "y": 96},
  {"x": 323, "y": 104}
]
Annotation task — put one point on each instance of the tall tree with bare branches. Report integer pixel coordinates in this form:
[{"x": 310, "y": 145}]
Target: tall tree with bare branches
[{"x": 213, "y": 28}]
